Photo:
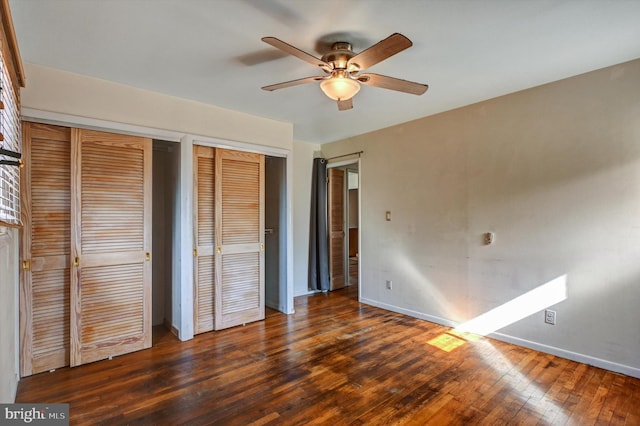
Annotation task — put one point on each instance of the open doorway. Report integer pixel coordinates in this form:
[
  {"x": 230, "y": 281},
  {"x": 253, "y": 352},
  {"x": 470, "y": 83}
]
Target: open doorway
[
  {"x": 166, "y": 163},
  {"x": 344, "y": 226},
  {"x": 275, "y": 229}
]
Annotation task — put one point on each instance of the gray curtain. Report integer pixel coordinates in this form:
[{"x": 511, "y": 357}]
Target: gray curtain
[{"x": 318, "y": 236}]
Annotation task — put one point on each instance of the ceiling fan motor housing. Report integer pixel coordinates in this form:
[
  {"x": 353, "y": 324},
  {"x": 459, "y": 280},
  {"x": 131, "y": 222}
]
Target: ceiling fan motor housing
[{"x": 339, "y": 56}]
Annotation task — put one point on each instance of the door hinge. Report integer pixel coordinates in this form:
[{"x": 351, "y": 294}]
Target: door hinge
[{"x": 26, "y": 265}]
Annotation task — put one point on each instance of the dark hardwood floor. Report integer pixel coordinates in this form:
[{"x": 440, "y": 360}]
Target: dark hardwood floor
[{"x": 337, "y": 362}]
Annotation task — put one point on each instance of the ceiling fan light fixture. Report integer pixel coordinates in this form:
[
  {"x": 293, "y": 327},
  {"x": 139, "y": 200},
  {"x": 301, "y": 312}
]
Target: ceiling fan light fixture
[
  {"x": 340, "y": 88},
  {"x": 342, "y": 67}
]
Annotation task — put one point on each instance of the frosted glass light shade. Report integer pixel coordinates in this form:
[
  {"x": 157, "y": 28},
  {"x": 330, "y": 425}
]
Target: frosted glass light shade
[{"x": 340, "y": 88}]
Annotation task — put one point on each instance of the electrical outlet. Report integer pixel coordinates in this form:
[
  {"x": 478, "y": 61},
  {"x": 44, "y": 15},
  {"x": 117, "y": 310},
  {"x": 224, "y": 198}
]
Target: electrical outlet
[
  {"x": 389, "y": 284},
  {"x": 550, "y": 316}
]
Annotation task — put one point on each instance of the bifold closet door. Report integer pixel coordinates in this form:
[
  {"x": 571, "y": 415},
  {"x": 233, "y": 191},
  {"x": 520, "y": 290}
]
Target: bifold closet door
[
  {"x": 336, "y": 228},
  {"x": 204, "y": 237},
  {"x": 110, "y": 245},
  {"x": 239, "y": 295},
  {"x": 44, "y": 288}
]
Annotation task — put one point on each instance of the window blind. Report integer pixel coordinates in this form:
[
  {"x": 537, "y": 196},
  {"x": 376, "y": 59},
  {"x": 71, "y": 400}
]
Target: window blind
[{"x": 11, "y": 141}]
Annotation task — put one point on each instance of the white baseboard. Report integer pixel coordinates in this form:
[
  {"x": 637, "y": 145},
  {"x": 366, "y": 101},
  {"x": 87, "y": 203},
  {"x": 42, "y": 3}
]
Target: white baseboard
[
  {"x": 574, "y": 356},
  {"x": 409, "y": 312},
  {"x": 563, "y": 353},
  {"x": 308, "y": 293}
]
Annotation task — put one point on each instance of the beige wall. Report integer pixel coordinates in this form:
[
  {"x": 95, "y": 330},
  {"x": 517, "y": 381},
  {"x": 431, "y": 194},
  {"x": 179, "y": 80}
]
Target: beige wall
[
  {"x": 303, "y": 153},
  {"x": 554, "y": 172},
  {"x": 8, "y": 314},
  {"x": 67, "y": 93}
]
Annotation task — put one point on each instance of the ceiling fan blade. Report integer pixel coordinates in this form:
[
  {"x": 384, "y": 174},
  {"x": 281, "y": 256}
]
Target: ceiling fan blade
[
  {"x": 392, "y": 83},
  {"x": 292, "y": 50},
  {"x": 345, "y": 105},
  {"x": 380, "y": 51},
  {"x": 293, "y": 83}
]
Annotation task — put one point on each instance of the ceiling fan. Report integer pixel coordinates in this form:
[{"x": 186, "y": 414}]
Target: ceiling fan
[{"x": 343, "y": 67}]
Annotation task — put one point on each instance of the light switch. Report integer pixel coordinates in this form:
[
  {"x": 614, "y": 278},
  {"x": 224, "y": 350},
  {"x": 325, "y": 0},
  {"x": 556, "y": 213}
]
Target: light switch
[{"x": 388, "y": 216}]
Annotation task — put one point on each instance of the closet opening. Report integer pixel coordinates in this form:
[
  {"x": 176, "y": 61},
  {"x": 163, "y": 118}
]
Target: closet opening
[
  {"x": 275, "y": 229},
  {"x": 165, "y": 230}
]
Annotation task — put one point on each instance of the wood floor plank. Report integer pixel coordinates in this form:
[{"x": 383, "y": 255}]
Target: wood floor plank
[
  {"x": 337, "y": 362},
  {"x": 615, "y": 400}
]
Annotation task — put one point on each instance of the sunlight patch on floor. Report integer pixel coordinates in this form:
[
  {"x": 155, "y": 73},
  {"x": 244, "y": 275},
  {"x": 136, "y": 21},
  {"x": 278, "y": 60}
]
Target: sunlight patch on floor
[
  {"x": 453, "y": 339},
  {"x": 447, "y": 342}
]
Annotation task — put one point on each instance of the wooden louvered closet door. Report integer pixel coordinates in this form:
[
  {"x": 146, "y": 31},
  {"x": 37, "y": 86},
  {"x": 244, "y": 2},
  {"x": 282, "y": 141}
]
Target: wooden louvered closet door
[
  {"x": 111, "y": 243},
  {"x": 336, "y": 229},
  {"x": 239, "y": 292},
  {"x": 44, "y": 290},
  {"x": 204, "y": 237}
]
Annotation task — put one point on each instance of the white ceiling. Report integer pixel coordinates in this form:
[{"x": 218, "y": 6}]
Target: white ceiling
[{"x": 210, "y": 50}]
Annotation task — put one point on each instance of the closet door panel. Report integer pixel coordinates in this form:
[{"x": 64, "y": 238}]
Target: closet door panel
[
  {"x": 45, "y": 280},
  {"x": 111, "y": 243},
  {"x": 204, "y": 238},
  {"x": 240, "y": 232}
]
